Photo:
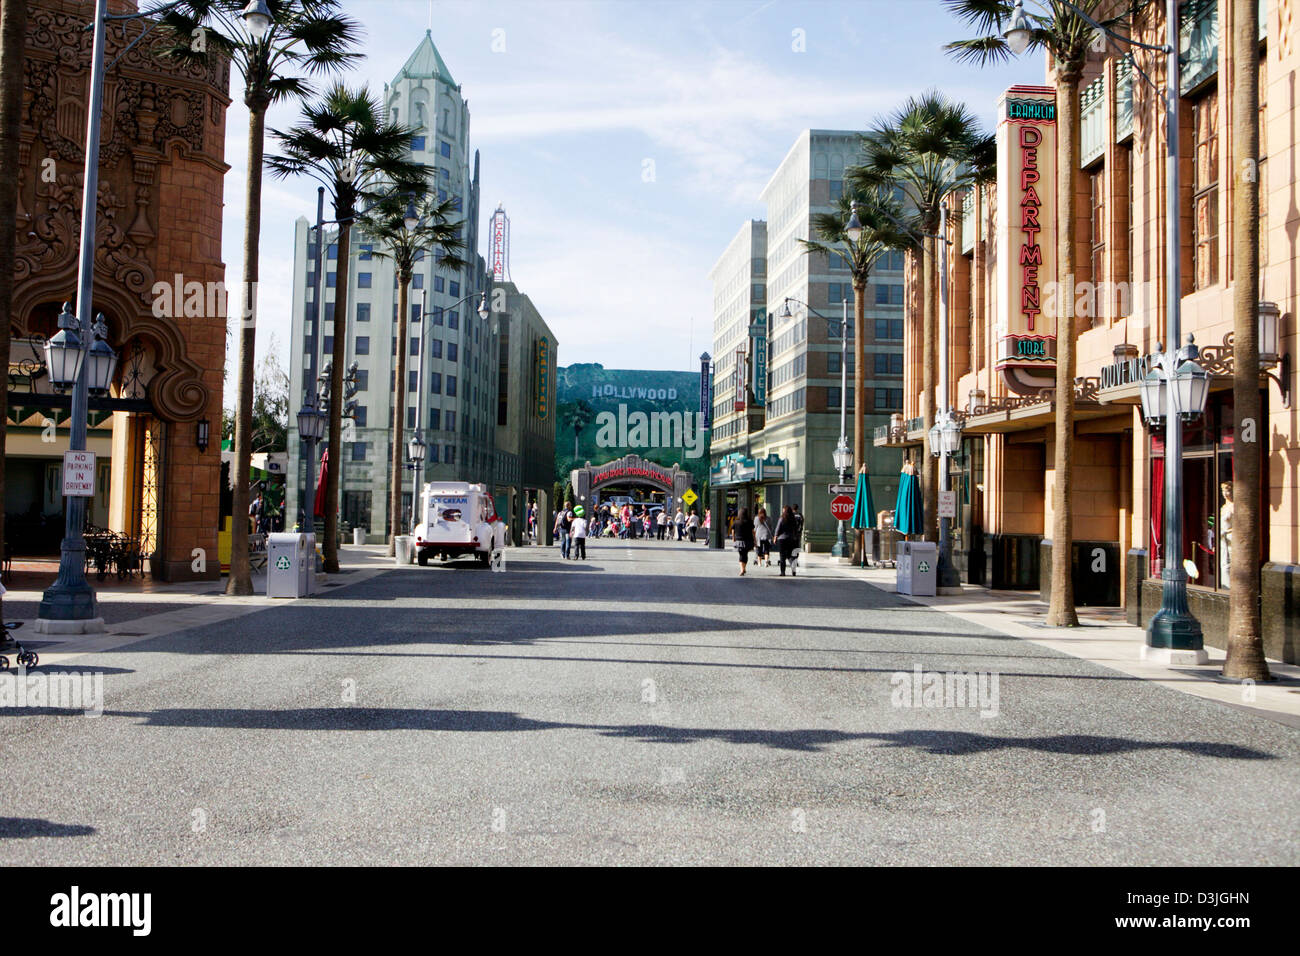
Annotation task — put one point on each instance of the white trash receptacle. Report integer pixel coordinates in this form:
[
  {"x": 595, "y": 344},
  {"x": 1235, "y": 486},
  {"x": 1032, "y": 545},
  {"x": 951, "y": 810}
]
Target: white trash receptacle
[
  {"x": 287, "y": 558},
  {"x": 358, "y": 536},
  {"x": 404, "y": 549},
  {"x": 918, "y": 568}
]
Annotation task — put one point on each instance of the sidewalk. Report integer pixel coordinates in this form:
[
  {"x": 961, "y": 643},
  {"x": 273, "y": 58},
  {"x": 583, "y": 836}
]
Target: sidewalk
[
  {"x": 1104, "y": 637},
  {"x": 144, "y": 609}
]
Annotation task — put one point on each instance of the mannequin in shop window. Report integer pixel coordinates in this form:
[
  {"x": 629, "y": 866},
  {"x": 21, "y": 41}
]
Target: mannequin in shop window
[{"x": 1225, "y": 533}]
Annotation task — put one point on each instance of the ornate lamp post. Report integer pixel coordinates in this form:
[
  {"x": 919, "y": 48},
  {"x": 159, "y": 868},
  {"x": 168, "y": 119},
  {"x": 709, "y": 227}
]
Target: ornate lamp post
[{"x": 415, "y": 449}]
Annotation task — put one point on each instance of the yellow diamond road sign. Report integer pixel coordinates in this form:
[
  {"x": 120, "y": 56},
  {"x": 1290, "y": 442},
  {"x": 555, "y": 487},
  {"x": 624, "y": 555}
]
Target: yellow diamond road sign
[{"x": 690, "y": 497}]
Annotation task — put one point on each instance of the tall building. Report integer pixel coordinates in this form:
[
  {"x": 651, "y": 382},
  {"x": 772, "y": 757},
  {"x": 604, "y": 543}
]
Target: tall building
[
  {"x": 451, "y": 386},
  {"x": 739, "y": 309},
  {"x": 524, "y": 407},
  {"x": 1001, "y": 372},
  {"x": 793, "y": 416}
]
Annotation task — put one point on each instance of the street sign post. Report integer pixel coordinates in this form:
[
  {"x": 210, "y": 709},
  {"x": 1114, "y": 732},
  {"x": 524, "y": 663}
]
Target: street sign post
[
  {"x": 842, "y": 489},
  {"x": 79, "y": 474},
  {"x": 689, "y": 497},
  {"x": 842, "y": 508}
]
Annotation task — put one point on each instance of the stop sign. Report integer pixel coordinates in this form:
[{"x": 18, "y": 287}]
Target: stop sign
[{"x": 842, "y": 508}]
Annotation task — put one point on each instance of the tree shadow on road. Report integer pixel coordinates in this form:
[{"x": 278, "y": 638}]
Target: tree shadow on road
[
  {"x": 936, "y": 742},
  {"x": 15, "y": 828}
]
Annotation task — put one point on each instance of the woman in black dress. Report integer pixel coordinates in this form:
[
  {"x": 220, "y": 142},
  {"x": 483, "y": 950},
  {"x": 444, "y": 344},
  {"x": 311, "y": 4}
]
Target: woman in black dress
[{"x": 742, "y": 535}]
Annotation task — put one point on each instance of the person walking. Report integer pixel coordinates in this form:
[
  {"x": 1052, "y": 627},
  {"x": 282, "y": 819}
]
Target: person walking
[
  {"x": 787, "y": 530},
  {"x": 798, "y": 537},
  {"x": 742, "y": 537},
  {"x": 663, "y": 523},
  {"x": 578, "y": 531},
  {"x": 563, "y": 522},
  {"x": 680, "y": 522},
  {"x": 692, "y": 525},
  {"x": 762, "y": 538}
]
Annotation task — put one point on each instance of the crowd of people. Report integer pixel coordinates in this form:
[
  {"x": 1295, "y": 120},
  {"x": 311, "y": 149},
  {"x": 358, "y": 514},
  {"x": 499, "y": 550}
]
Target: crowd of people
[
  {"x": 758, "y": 534},
  {"x": 573, "y": 525}
]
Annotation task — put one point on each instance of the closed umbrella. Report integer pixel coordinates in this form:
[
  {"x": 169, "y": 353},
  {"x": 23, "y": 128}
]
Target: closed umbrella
[
  {"x": 318, "y": 506},
  {"x": 908, "y": 513},
  {"x": 864, "y": 509}
]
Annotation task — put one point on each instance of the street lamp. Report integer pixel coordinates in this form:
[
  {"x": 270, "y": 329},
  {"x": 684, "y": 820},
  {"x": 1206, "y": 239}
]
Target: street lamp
[
  {"x": 415, "y": 449},
  {"x": 843, "y": 459},
  {"x": 854, "y": 228},
  {"x": 101, "y": 361},
  {"x": 411, "y": 220},
  {"x": 1174, "y": 635},
  {"x": 64, "y": 352},
  {"x": 1018, "y": 33},
  {"x": 257, "y": 17}
]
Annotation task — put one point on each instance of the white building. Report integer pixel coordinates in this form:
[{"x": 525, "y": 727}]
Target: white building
[{"x": 451, "y": 366}]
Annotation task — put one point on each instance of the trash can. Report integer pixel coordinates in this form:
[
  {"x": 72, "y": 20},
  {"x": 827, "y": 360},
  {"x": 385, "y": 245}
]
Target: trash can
[
  {"x": 358, "y": 536},
  {"x": 918, "y": 568},
  {"x": 404, "y": 549},
  {"x": 288, "y": 556}
]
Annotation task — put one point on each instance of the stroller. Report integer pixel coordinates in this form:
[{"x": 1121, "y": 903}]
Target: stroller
[{"x": 25, "y": 658}]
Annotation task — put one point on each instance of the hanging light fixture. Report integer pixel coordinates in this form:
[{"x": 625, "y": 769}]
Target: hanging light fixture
[
  {"x": 64, "y": 352},
  {"x": 1191, "y": 390},
  {"x": 1017, "y": 33},
  {"x": 1269, "y": 320},
  {"x": 101, "y": 360},
  {"x": 412, "y": 219},
  {"x": 415, "y": 448},
  {"x": 483, "y": 310},
  {"x": 257, "y": 17},
  {"x": 1155, "y": 397},
  {"x": 854, "y": 229}
]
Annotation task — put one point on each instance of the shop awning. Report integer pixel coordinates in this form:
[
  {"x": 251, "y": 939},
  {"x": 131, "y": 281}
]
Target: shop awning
[{"x": 738, "y": 469}]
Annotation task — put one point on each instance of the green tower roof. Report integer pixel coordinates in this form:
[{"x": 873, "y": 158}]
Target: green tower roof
[{"x": 425, "y": 63}]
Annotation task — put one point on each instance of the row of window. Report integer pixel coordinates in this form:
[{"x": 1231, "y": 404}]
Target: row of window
[{"x": 883, "y": 399}]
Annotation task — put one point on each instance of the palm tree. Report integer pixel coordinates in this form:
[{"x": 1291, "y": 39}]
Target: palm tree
[
  {"x": 924, "y": 151},
  {"x": 1067, "y": 37},
  {"x": 881, "y": 232},
  {"x": 1245, "y": 660},
  {"x": 405, "y": 246},
  {"x": 304, "y": 36},
  {"x": 346, "y": 143},
  {"x": 13, "y": 36}
]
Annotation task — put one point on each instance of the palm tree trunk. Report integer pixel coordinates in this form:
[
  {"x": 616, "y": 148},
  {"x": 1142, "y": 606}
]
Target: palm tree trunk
[
  {"x": 859, "y": 389},
  {"x": 1245, "y": 658},
  {"x": 930, "y": 358},
  {"x": 1060, "y": 610},
  {"x": 337, "y": 357},
  {"x": 13, "y": 35},
  {"x": 399, "y": 415},
  {"x": 241, "y": 578}
]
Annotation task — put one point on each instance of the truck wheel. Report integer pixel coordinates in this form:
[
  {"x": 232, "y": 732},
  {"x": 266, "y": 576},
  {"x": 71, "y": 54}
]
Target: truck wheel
[
  {"x": 484, "y": 558},
  {"x": 422, "y": 559}
]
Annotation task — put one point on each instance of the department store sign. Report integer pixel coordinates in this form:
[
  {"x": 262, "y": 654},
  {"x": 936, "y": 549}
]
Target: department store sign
[{"x": 1026, "y": 229}]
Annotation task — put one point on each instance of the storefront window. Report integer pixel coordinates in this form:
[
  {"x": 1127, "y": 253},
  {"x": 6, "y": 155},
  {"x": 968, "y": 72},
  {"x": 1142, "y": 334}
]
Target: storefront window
[{"x": 1206, "y": 499}]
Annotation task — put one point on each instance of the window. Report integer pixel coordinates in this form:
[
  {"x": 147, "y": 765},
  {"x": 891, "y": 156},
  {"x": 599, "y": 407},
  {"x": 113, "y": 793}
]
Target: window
[
  {"x": 363, "y": 380},
  {"x": 433, "y": 449},
  {"x": 331, "y": 280},
  {"x": 888, "y": 399},
  {"x": 328, "y": 346},
  {"x": 837, "y": 292},
  {"x": 363, "y": 345},
  {"x": 442, "y": 195},
  {"x": 451, "y": 385},
  {"x": 360, "y": 416},
  {"x": 329, "y": 311},
  {"x": 451, "y": 351},
  {"x": 437, "y": 316},
  {"x": 453, "y": 319},
  {"x": 889, "y": 328},
  {"x": 1097, "y": 231},
  {"x": 363, "y": 280},
  {"x": 359, "y": 450},
  {"x": 453, "y": 287},
  {"x": 435, "y": 348},
  {"x": 435, "y": 383},
  {"x": 786, "y": 404},
  {"x": 415, "y": 313},
  {"x": 417, "y": 281},
  {"x": 445, "y": 149},
  {"x": 450, "y": 456},
  {"x": 412, "y": 381},
  {"x": 415, "y": 345},
  {"x": 1205, "y": 187},
  {"x": 833, "y": 397},
  {"x": 410, "y": 417},
  {"x": 332, "y": 251},
  {"x": 837, "y": 189},
  {"x": 438, "y": 283},
  {"x": 435, "y": 420},
  {"x": 887, "y": 363},
  {"x": 367, "y": 250},
  {"x": 833, "y": 363},
  {"x": 449, "y": 420},
  {"x": 417, "y": 144},
  {"x": 444, "y": 174},
  {"x": 889, "y": 294},
  {"x": 363, "y": 311},
  {"x": 394, "y": 351}
]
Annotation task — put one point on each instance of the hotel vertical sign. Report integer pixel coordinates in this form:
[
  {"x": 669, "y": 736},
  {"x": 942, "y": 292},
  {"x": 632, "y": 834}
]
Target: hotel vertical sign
[
  {"x": 542, "y": 377},
  {"x": 1026, "y": 237},
  {"x": 758, "y": 351}
]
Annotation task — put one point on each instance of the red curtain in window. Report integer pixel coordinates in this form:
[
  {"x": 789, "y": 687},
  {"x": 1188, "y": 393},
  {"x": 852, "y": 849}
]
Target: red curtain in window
[{"x": 1156, "y": 555}]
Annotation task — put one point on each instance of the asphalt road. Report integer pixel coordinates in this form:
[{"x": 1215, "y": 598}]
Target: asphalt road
[{"x": 644, "y": 706}]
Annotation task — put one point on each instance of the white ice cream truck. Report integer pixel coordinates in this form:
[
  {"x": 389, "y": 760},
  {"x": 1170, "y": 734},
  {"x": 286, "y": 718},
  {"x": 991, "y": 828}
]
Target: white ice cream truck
[{"x": 460, "y": 520}]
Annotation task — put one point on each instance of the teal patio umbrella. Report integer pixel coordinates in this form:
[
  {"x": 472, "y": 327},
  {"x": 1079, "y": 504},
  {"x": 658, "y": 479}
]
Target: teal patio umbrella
[
  {"x": 864, "y": 509},
  {"x": 908, "y": 510}
]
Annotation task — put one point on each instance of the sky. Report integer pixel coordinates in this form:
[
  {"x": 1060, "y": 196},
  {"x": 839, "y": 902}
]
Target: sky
[{"x": 629, "y": 140}]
